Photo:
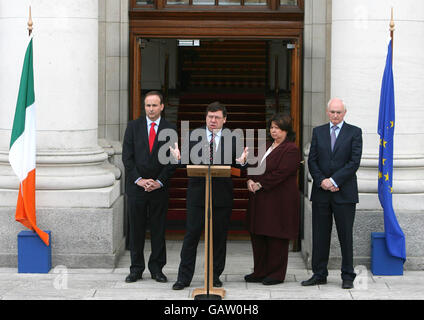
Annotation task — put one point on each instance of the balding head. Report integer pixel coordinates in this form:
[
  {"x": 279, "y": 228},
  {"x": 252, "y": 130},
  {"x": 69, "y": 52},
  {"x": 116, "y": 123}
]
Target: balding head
[{"x": 336, "y": 110}]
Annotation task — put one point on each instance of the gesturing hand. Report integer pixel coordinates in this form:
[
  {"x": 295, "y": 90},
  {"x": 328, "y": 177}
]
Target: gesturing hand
[
  {"x": 175, "y": 152},
  {"x": 243, "y": 158}
]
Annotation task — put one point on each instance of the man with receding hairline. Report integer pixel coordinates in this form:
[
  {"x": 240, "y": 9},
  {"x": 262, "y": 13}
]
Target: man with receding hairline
[
  {"x": 334, "y": 158},
  {"x": 147, "y": 187}
]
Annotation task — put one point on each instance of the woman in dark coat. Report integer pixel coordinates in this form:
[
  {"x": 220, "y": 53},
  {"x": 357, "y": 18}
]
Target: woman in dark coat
[{"x": 274, "y": 204}]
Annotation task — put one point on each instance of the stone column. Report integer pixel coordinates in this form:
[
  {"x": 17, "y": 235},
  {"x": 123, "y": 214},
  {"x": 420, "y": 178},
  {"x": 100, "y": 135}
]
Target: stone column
[
  {"x": 316, "y": 93},
  {"x": 78, "y": 191},
  {"x": 360, "y": 36}
]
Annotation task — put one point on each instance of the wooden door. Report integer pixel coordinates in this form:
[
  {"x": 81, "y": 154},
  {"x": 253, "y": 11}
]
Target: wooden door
[
  {"x": 295, "y": 90},
  {"x": 135, "y": 74}
]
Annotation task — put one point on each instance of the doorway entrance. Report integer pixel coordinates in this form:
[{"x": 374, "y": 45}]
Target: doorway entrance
[
  {"x": 253, "y": 78},
  {"x": 192, "y": 73}
]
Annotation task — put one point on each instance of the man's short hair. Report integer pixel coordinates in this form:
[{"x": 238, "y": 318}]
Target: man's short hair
[
  {"x": 331, "y": 100},
  {"x": 154, "y": 93},
  {"x": 216, "y": 106}
]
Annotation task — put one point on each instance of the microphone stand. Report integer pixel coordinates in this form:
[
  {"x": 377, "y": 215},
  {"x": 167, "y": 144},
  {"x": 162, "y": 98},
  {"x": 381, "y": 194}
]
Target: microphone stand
[{"x": 208, "y": 296}]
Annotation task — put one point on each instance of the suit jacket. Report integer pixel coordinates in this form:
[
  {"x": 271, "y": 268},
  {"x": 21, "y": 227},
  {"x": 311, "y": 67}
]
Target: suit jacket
[
  {"x": 340, "y": 164},
  {"x": 138, "y": 160},
  {"x": 222, "y": 188},
  {"x": 274, "y": 210}
]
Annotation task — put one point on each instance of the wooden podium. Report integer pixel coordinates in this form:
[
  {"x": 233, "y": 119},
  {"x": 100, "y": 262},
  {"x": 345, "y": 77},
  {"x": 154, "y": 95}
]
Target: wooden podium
[{"x": 208, "y": 292}]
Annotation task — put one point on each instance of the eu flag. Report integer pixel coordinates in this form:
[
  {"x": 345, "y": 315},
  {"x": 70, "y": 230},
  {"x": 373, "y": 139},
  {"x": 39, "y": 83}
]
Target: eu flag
[{"x": 395, "y": 239}]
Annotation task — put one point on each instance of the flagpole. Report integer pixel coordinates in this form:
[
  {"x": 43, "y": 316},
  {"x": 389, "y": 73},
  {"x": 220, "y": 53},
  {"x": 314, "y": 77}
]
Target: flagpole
[
  {"x": 30, "y": 22},
  {"x": 392, "y": 29}
]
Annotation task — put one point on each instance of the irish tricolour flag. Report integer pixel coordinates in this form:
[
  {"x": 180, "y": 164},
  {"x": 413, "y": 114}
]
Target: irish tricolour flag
[{"x": 23, "y": 146}]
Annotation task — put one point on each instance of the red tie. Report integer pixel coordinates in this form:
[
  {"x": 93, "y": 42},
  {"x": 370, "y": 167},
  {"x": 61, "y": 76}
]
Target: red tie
[{"x": 152, "y": 135}]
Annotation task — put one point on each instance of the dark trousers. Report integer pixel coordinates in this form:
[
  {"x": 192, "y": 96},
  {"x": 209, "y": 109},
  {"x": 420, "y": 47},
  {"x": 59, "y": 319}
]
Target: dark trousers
[
  {"x": 194, "y": 226},
  {"x": 140, "y": 211},
  {"x": 322, "y": 222},
  {"x": 270, "y": 256}
]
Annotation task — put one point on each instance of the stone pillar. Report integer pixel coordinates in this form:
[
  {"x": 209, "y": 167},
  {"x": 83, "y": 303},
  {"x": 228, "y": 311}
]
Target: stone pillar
[
  {"x": 360, "y": 36},
  {"x": 316, "y": 93},
  {"x": 78, "y": 191}
]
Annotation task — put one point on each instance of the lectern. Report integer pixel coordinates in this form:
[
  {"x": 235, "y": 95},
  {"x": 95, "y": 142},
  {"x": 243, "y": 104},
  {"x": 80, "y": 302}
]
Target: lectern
[{"x": 207, "y": 171}]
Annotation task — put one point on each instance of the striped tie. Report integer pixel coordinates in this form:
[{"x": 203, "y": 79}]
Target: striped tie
[{"x": 211, "y": 149}]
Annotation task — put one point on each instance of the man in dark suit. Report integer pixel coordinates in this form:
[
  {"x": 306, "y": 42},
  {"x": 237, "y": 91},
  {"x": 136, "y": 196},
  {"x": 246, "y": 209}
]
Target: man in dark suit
[
  {"x": 334, "y": 158},
  {"x": 222, "y": 195},
  {"x": 147, "y": 187}
]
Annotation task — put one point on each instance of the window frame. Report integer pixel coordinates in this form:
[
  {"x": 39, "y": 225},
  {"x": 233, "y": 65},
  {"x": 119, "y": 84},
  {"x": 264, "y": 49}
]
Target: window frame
[{"x": 273, "y": 5}]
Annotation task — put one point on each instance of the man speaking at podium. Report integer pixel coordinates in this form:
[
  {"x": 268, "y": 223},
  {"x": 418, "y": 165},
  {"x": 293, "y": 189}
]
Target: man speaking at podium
[{"x": 211, "y": 152}]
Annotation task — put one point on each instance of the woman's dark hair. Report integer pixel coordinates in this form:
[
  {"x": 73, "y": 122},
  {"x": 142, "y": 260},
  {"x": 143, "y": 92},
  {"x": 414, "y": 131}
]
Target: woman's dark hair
[
  {"x": 216, "y": 106},
  {"x": 284, "y": 122}
]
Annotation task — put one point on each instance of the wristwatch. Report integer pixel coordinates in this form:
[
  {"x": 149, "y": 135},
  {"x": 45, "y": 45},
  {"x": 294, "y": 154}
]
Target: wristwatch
[{"x": 259, "y": 185}]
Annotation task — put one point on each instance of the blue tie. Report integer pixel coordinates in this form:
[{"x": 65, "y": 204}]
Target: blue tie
[{"x": 333, "y": 136}]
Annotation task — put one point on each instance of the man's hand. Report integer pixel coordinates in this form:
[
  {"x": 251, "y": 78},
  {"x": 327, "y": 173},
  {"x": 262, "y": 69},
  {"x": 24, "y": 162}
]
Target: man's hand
[
  {"x": 143, "y": 183},
  {"x": 243, "y": 158},
  {"x": 148, "y": 184},
  {"x": 152, "y": 185},
  {"x": 175, "y": 152},
  {"x": 326, "y": 184}
]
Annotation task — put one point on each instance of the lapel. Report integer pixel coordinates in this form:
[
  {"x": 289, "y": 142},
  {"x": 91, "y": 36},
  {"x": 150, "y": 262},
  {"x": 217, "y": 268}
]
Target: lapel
[
  {"x": 221, "y": 150},
  {"x": 144, "y": 135},
  {"x": 326, "y": 137},
  {"x": 203, "y": 151},
  {"x": 162, "y": 125},
  {"x": 340, "y": 137}
]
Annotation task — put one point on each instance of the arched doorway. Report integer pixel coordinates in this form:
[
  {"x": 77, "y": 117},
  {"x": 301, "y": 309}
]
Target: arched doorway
[{"x": 217, "y": 27}]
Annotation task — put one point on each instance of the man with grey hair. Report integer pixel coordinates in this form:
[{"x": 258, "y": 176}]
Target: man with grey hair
[{"x": 334, "y": 158}]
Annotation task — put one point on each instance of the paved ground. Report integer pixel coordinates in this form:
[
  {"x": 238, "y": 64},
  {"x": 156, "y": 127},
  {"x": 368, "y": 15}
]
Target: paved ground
[{"x": 108, "y": 284}]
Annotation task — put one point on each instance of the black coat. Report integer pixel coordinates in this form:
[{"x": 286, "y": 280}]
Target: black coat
[
  {"x": 138, "y": 160},
  {"x": 340, "y": 164},
  {"x": 222, "y": 187}
]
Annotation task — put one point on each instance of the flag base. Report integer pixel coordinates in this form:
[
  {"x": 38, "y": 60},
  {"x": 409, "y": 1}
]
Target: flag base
[
  {"x": 33, "y": 254},
  {"x": 382, "y": 263}
]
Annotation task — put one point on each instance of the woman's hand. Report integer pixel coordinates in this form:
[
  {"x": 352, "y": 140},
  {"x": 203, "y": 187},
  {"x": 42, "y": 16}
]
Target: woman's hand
[{"x": 252, "y": 186}]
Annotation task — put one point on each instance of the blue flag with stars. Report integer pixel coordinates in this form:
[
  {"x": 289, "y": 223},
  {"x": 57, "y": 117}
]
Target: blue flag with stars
[{"x": 395, "y": 239}]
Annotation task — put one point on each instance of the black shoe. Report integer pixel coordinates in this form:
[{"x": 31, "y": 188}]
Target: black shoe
[
  {"x": 133, "y": 277},
  {"x": 159, "y": 277},
  {"x": 217, "y": 283},
  {"x": 314, "y": 281},
  {"x": 251, "y": 278},
  {"x": 347, "y": 284},
  {"x": 179, "y": 286},
  {"x": 269, "y": 281}
]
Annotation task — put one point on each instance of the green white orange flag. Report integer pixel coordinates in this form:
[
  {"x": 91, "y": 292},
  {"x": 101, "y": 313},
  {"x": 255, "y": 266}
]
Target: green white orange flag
[{"x": 23, "y": 147}]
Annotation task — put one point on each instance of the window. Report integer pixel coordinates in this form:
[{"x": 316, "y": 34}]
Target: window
[
  {"x": 251, "y": 3},
  {"x": 288, "y": 2},
  {"x": 219, "y": 2}
]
